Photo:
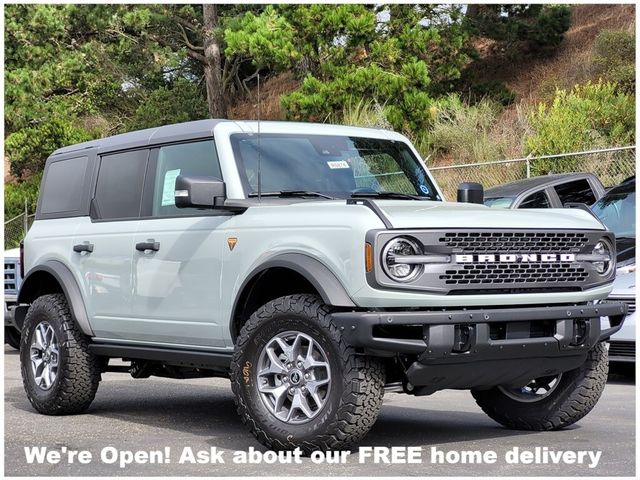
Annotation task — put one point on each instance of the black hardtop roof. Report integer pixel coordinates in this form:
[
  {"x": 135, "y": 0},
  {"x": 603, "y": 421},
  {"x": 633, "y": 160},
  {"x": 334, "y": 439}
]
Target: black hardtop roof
[
  {"x": 513, "y": 189},
  {"x": 149, "y": 136}
]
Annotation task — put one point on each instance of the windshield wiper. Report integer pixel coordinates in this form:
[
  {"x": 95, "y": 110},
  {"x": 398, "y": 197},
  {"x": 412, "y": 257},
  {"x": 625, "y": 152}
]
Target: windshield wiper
[
  {"x": 392, "y": 195},
  {"x": 292, "y": 193}
]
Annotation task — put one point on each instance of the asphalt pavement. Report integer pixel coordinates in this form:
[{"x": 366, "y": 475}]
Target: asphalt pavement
[{"x": 171, "y": 417}]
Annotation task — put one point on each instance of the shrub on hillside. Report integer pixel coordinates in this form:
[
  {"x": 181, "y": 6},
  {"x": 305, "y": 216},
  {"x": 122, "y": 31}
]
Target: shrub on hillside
[
  {"x": 614, "y": 58},
  {"x": 463, "y": 131},
  {"x": 592, "y": 115}
]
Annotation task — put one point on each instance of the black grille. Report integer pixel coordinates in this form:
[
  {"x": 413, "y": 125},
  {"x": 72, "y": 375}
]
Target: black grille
[
  {"x": 520, "y": 242},
  {"x": 622, "y": 349},
  {"x": 501, "y": 273},
  {"x": 488, "y": 261}
]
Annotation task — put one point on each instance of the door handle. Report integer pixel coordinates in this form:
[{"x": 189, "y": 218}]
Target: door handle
[
  {"x": 150, "y": 245},
  {"x": 83, "y": 247}
]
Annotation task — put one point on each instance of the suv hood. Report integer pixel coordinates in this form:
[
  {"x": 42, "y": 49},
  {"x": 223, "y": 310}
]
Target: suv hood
[{"x": 428, "y": 214}]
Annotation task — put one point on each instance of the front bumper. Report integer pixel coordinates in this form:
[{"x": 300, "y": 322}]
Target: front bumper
[{"x": 481, "y": 348}]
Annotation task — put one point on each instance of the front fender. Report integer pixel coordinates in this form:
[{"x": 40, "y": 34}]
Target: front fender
[
  {"x": 32, "y": 286},
  {"x": 323, "y": 280}
]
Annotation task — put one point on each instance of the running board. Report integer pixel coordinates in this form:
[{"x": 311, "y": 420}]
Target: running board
[{"x": 183, "y": 358}]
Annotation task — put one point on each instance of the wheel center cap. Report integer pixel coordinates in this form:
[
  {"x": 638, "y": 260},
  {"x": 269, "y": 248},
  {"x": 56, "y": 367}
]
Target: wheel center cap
[{"x": 295, "y": 376}]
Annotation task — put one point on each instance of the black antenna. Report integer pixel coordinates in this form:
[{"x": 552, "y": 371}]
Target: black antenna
[{"x": 259, "y": 150}]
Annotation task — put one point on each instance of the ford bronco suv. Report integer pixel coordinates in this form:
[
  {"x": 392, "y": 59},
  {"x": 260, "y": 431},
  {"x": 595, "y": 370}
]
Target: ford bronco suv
[{"x": 315, "y": 266}]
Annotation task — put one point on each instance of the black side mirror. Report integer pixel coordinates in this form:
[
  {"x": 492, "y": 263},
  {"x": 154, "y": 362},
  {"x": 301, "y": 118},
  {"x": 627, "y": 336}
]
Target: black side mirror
[
  {"x": 199, "y": 192},
  {"x": 471, "y": 192}
]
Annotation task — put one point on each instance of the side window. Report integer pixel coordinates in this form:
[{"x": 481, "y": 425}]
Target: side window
[
  {"x": 578, "y": 191},
  {"x": 63, "y": 186},
  {"x": 119, "y": 187},
  {"x": 536, "y": 200},
  {"x": 194, "y": 159}
]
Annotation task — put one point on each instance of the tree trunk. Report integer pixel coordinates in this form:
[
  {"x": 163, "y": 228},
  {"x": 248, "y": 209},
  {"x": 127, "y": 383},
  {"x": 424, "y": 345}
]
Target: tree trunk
[{"x": 213, "y": 63}]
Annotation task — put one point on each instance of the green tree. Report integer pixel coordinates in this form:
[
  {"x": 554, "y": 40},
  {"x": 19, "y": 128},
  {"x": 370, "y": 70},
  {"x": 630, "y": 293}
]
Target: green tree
[
  {"x": 76, "y": 72},
  {"x": 398, "y": 56}
]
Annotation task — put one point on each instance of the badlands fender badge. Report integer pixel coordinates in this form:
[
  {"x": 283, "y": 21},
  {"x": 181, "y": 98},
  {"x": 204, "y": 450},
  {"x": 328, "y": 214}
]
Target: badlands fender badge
[
  {"x": 516, "y": 258},
  {"x": 232, "y": 241}
]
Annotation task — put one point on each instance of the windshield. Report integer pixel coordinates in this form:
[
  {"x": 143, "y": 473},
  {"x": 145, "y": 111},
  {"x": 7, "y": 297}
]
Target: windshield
[
  {"x": 498, "y": 202},
  {"x": 336, "y": 166},
  {"x": 617, "y": 210}
]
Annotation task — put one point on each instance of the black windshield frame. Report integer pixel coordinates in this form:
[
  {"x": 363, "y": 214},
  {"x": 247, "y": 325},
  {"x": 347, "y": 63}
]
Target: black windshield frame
[{"x": 409, "y": 164}]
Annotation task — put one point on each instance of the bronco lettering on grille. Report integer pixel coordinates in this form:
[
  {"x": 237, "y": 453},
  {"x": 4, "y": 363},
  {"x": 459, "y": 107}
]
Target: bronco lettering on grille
[{"x": 515, "y": 258}]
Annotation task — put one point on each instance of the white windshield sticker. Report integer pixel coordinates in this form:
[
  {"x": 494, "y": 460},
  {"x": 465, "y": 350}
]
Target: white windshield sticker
[
  {"x": 169, "y": 188},
  {"x": 338, "y": 164}
]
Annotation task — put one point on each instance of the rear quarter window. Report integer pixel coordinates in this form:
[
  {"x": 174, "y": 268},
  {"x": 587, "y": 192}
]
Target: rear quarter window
[
  {"x": 579, "y": 191},
  {"x": 63, "y": 187}
]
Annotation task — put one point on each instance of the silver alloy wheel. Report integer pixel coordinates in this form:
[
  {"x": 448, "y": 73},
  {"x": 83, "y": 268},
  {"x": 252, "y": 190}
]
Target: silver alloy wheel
[
  {"x": 45, "y": 356},
  {"x": 294, "y": 377},
  {"x": 535, "y": 390}
]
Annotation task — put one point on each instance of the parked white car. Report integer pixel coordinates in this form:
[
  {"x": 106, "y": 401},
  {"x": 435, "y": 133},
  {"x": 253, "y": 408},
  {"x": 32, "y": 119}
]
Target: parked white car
[{"x": 12, "y": 281}]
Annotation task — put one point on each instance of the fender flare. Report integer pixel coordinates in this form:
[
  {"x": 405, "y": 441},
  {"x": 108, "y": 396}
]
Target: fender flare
[
  {"x": 70, "y": 289},
  {"x": 323, "y": 280}
]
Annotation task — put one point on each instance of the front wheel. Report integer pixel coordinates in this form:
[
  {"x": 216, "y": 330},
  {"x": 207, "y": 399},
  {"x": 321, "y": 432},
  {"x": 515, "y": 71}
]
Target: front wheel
[
  {"x": 297, "y": 384},
  {"x": 549, "y": 403}
]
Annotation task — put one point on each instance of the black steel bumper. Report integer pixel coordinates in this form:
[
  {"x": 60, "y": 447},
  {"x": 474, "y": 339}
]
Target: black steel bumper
[{"x": 481, "y": 348}]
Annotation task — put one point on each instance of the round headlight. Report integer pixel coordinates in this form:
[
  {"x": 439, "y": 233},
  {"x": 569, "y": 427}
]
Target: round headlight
[
  {"x": 603, "y": 248},
  {"x": 400, "y": 272}
]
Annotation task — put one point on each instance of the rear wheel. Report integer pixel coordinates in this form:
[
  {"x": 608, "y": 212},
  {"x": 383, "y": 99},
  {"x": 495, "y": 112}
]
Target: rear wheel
[
  {"x": 59, "y": 373},
  {"x": 297, "y": 384},
  {"x": 549, "y": 403}
]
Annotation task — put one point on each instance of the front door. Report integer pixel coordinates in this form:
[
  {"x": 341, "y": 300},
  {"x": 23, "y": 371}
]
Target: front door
[{"x": 177, "y": 259}]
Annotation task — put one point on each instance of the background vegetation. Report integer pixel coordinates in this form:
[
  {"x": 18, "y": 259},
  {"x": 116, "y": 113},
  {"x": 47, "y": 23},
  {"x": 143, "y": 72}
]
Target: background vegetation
[{"x": 465, "y": 83}]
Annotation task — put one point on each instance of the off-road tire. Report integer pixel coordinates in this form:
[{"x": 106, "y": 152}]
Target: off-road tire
[
  {"x": 78, "y": 375},
  {"x": 357, "y": 381},
  {"x": 576, "y": 394},
  {"x": 12, "y": 337}
]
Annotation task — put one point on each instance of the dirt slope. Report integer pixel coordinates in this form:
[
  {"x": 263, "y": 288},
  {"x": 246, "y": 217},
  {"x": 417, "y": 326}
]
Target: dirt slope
[{"x": 570, "y": 64}]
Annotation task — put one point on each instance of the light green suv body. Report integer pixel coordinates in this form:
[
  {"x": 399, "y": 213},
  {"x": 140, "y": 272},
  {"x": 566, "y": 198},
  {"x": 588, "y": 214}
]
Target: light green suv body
[{"x": 172, "y": 288}]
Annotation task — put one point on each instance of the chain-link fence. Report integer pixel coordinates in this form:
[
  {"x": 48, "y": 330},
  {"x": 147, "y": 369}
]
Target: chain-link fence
[
  {"x": 16, "y": 228},
  {"x": 610, "y": 165}
]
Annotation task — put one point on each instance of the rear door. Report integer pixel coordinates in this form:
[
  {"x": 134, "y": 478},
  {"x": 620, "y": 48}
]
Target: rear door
[
  {"x": 103, "y": 243},
  {"x": 176, "y": 283}
]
